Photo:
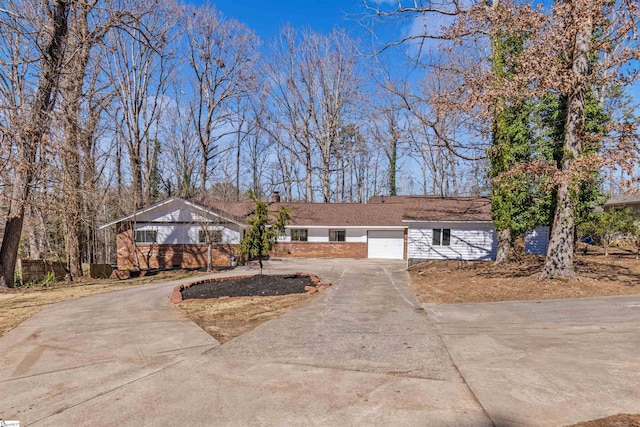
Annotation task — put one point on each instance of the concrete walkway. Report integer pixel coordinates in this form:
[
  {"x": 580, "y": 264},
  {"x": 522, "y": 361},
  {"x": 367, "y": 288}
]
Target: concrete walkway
[
  {"x": 362, "y": 353},
  {"x": 547, "y": 363}
]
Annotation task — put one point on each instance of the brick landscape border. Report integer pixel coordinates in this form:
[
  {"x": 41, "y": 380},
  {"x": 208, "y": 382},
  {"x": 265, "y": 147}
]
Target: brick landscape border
[{"x": 176, "y": 295}]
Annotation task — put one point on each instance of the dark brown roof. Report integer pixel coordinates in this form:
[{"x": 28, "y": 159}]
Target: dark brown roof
[
  {"x": 376, "y": 213},
  {"x": 343, "y": 214},
  {"x": 239, "y": 211},
  {"x": 430, "y": 208}
]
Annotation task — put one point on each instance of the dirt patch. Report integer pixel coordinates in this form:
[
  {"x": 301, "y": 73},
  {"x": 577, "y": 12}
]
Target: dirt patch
[
  {"x": 450, "y": 282},
  {"x": 225, "y": 319},
  {"x": 259, "y": 285},
  {"x": 18, "y": 304},
  {"x": 620, "y": 420}
]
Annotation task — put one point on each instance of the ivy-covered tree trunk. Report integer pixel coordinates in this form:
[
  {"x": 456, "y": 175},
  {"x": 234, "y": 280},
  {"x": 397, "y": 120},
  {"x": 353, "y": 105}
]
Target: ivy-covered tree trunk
[
  {"x": 393, "y": 162},
  {"x": 559, "y": 260},
  {"x": 501, "y": 155}
]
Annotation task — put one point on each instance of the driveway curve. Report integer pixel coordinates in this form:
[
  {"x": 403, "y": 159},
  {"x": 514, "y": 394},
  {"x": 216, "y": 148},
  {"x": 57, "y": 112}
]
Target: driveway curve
[
  {"x": 362, "y": 353},
  {"x": 547, "y": 363}
]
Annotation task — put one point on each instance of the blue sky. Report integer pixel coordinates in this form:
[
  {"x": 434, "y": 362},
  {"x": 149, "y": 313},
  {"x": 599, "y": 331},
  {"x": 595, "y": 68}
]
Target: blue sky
[{"x": 266, "y": 17}]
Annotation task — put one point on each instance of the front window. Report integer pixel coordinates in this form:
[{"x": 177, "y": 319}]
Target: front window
[
  {"x": 299, "y": 235},
  {"x": 146, "y": 236},
  {"x": 441, "y": 237},
  {"x": 214, "y": 236},
  {"x": 337, "y": 235}
]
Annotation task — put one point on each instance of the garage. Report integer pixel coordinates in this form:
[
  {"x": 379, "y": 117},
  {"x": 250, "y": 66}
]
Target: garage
[{"x": 386, "y": 244}]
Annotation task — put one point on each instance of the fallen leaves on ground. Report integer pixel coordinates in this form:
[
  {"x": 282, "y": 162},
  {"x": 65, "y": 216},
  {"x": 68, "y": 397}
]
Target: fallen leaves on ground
[{"x": 450, "y": 282}]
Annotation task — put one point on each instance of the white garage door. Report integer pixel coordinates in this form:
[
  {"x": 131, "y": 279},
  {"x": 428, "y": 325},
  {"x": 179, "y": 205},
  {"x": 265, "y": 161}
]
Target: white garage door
[{"x": 388, "y": 244}]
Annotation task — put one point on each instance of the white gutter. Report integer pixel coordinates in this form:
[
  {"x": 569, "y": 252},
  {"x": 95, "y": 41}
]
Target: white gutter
[
  {"x": 446, "y": 222},
  {"x": 342, "y": 227}
]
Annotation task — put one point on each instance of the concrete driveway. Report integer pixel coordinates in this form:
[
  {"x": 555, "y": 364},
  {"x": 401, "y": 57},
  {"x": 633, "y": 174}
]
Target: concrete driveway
[
  {"x": 362, "y": 353},
  {"x": 547, "y": 363}
]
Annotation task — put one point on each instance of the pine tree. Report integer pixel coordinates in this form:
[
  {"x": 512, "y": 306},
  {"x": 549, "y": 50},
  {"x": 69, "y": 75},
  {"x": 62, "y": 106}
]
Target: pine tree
[{"x": 261, "y": 237}]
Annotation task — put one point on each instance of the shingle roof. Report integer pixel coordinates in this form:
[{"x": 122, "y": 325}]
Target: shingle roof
[
  {"x": 380, "y": 211},
  {"x": 239, "y": 211},
  {"x": 387, "y": 211},
  {"x": 436, "y": 208},
  {"x": 342, "y": 214}
]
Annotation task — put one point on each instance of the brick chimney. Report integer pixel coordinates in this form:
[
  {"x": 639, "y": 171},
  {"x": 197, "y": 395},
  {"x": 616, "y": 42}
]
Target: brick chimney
[{"x": 275, "y": 197}]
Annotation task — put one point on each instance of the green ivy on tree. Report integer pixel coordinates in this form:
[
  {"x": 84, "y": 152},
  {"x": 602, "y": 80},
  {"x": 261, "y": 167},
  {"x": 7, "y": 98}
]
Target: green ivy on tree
[
  {"x": 261, "y": 237},
  {"x": 517, "y": 204}
]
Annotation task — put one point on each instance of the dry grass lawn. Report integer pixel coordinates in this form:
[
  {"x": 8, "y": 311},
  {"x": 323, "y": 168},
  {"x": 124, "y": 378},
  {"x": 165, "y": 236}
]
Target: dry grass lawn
[
  {"x": 225, "y": 319},
  {"x": 18, "y": 304},
  {"x": 620, "y": 420},
  {"x": 451, "y": 282}
]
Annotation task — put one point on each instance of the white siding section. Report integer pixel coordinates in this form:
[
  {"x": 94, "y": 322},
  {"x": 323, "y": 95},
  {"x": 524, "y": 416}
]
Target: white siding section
[
  {"x": 320, "y": 235},
  {"x": 469, "y": 241},
  {"x": 536, "y": 241},
  {"x": 174, "y": 211},
  {"x": 176, "y": 234}
]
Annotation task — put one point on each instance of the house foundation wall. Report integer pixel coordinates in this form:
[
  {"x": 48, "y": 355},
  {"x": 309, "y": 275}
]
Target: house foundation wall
[
  {"x": 167, "y": 256},
  {"x": 320, "y": 250}
]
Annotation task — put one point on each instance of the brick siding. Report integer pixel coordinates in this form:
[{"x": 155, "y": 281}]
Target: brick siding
[
  {"x": 195, "y": 255},
  {"x": 170, "y": 256},
  {"x": 321, "y": 250}
]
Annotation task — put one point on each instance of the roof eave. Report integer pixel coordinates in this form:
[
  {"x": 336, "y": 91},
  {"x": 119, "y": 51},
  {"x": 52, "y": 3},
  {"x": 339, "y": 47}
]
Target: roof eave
[
  {"x": 480, "y": 221},
  {"x": 166, "y": 201}
]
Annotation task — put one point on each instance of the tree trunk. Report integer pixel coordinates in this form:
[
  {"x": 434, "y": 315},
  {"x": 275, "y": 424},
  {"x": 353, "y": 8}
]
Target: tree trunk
[
  {"x": 326, "y": 183},
  {"x": 308, "y": 182},
  {"x": 30, "y": 140},
  {"x": 238, "y": 153},
  {"x": 393, "y": 160},
  {"x": 505, "y": 246},
  {"x": 136, "y": 175},
  {"x": 71, "y": 94},
  {"x": 204, "y": 164},
  {"x": 559, "y": 260},
  {"x": 36, "y": 233}
]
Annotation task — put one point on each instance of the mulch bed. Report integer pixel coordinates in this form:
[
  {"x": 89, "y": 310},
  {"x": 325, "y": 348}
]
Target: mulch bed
[{"x": 259, "y": 285}]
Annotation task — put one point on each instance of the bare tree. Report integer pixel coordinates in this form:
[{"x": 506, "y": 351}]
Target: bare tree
[
  {"x": 314, "y": 88},
  {"x": 82, "y": 104},
  {"x": 140, "y": 69},
  {"x": 181, "y": 145},
  {"x": 221, "y": 54},
  {"x": 50, "y": 35},
  {"x": 389, "y": 126}
]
